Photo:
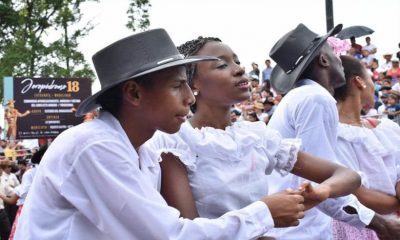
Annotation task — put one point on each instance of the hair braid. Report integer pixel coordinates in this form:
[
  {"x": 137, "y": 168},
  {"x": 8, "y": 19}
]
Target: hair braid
[{"x": 191, "y": 48}]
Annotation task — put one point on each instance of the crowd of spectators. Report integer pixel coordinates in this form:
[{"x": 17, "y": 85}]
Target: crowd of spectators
[
  {"x": 384, "y": 72},
  {"x": 15, "y": 161}
]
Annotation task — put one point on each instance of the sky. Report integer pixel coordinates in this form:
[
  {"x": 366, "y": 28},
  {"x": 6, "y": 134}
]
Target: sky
[{"x": 249, "y": 27}]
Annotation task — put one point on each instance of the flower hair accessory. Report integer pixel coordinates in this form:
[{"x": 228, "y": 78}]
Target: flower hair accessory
[{"x": 339, "y": 46}]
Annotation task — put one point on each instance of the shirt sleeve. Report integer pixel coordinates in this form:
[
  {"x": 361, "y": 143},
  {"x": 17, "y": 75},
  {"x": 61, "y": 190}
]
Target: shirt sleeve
[
  {"x": 109, "y": 189},
  {"x": 334, "y": 207},
  {"x": 282, "y": 153},
  {"x": 169, "y": 143}
]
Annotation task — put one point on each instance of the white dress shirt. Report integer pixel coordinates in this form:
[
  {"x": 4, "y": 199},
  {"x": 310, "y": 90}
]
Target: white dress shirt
[
  {"x": 91, "y": 184},
  {"x": 227, "y": 168},
  {"x": 309, "y": 112}
]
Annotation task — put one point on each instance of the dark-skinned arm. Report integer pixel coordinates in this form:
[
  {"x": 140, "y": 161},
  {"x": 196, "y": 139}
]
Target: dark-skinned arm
[
  {"x": 335, "y": 180},
  {"x": 398, "y": 190},
  {"x": 175, "y": 186},
  {"x": 380, "y": 202},
  {"x": 286, "y": 207}
]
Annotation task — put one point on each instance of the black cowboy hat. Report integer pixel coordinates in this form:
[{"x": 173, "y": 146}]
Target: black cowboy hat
[
  {"x": 132, "y": 57},
  {"x": 293, "y": 53}
]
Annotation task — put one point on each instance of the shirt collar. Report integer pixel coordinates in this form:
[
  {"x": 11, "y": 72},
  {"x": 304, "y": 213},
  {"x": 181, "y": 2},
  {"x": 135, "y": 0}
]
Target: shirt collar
[
  {"x": 307, "y": 81},
  {"x": 113, "y": 123}
]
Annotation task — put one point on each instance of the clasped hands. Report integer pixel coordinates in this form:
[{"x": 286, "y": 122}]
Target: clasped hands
[{"x": 288, "y": 206}]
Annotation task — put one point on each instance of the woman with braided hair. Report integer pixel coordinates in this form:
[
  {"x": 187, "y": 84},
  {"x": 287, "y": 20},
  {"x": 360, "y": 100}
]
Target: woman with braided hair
[{"x": 212, "y": 165}]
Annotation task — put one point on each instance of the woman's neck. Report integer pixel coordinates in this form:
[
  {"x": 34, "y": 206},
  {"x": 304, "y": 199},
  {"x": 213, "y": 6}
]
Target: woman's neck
[
  {"x": 216, "y": 117},
  {"x": 350, "y": 111}
]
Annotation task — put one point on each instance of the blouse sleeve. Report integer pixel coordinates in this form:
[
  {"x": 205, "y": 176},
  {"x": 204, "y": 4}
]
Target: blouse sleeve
[
  {"x": 282, "y": 153},
  {"x": 171, "y": 143}
]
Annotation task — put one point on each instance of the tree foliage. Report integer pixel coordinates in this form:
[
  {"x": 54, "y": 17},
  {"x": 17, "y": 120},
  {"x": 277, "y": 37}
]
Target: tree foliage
[
  {"x": 40, "y": 38},
  {"x": 138, "y": 14}
]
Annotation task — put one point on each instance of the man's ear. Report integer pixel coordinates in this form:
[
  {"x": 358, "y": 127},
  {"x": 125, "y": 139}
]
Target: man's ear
[
  {"x": 323, "y": 60},
  {"x": 132, "y": 92}
]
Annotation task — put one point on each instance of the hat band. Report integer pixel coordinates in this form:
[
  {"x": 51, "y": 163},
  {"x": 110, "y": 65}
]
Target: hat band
[
  {"x": 303, "y": 54},
  {"x": 173, "y": 58},
  {"x": 146, "y": 67}
]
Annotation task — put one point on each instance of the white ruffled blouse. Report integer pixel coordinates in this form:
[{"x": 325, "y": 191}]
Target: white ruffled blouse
[
  {"x": 374, "y": 153},
  {"x": 227, "y": 168}
]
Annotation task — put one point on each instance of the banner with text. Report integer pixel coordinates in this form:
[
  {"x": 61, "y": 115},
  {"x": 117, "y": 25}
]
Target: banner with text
[{"x": 44, "y": 107}]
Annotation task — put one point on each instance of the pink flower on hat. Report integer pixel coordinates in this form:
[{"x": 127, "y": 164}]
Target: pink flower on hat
[{"x": 339, "y": 46}]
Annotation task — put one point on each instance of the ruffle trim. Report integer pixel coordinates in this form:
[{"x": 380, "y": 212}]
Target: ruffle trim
[
  {"x": 187, "y": 157},
  {"x": 388, "y": 133},
  {"x": 364, "y": 136},
  {"x": 289, "y": 150},
  {"x": 232, "y": 143}
]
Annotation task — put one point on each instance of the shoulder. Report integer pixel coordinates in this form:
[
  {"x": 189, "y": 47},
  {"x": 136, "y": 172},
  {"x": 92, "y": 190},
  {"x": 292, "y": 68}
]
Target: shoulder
[
  {"x": 177, "y": 144},
  {"x": 371, "y": 122},
  {"x": 309, "y": 97}
]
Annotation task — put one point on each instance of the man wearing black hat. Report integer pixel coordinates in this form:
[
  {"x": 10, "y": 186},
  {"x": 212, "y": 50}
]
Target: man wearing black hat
[
  {"x": 308, "y": 72},
  {"x": 93, "y": 182}
]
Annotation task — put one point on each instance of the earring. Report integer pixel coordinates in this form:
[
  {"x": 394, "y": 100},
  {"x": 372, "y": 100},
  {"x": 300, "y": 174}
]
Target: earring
[
  {"x": 195, "y": 92},
  {"x": 364, "y": 86}
]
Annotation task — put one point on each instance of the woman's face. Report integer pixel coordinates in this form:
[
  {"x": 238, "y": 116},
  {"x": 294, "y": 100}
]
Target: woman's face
[
  {"x": 220, "y": 83},
  {"x": 367, "y": 94}
]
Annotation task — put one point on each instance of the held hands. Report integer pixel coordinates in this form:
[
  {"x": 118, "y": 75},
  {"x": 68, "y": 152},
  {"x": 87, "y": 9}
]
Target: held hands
[
  {"x": 286, "y": 207},
  {"x": 313, "y": 195}
]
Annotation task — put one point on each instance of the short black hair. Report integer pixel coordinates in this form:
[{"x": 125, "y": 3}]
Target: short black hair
[
  {"x": 111, "y": 100},
  {"x": 352, "y": 67},
  {"x": 37, "y": 156},
  {"x": 22, "y": 161}
]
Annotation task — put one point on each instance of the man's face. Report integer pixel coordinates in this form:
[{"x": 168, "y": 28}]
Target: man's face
[
  {"x": 166, "y": 104},
  {"x": 336, "y": 73}
]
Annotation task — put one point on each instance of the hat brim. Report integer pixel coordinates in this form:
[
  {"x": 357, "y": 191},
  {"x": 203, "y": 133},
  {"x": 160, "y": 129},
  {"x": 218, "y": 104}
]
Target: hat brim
[
  {"x": 90, "y": 104},
  {"x": 283, "y": 82}
]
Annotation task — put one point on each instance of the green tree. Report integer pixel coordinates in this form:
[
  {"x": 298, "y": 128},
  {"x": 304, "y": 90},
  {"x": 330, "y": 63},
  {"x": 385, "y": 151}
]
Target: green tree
[
  {"x": 64, "y": 58},
  {"x": 138, "y": 14},
  {"x": 27, "y": 47}
]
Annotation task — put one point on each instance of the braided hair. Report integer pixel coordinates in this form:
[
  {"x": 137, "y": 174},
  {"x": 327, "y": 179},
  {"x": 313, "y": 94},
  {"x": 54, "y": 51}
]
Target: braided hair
[{"x": 191, "y": 48}]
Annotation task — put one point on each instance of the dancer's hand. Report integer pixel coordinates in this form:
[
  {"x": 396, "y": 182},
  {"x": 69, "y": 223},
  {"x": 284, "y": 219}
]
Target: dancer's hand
[
  {"x": 286, "y": 207},
  {"x": 313, "y": 195}
]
